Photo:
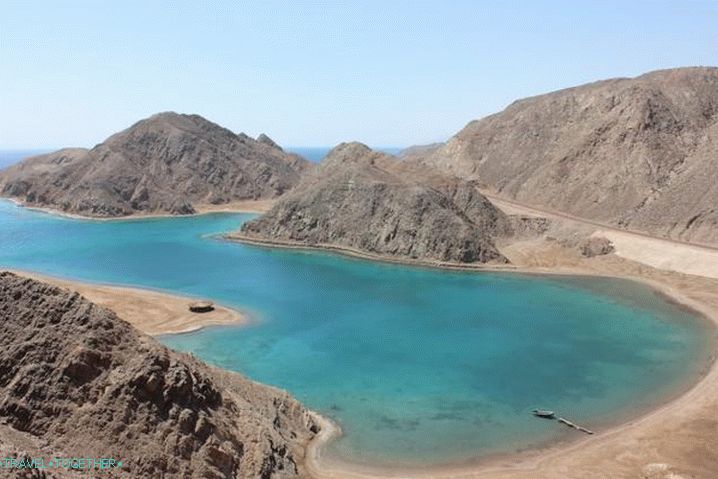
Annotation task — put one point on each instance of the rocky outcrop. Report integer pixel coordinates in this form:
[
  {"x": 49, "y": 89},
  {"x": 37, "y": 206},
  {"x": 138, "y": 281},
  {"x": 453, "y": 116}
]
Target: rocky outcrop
[
  {"x": 638, "y": 153},
  {"x": 595, "y": 246},
  {"x": 77, "y": 381},
  {"x": 168, "y": 163},
  {"x": 362, "y": 200}
]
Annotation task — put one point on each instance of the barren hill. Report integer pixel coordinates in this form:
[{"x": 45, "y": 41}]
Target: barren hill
[
  {"x": 77, "y": 381},
  {"x": 167, "y": 163},
  {"x": 640, "y": 153},
  {"x": 366, "y": 201}
]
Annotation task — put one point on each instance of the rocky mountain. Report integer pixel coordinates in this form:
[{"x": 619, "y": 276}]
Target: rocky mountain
[
  {"x": 77, "y": 381},
  {"x": 366, "y": 201},
  {"x": 418, "y": 151},
  {"x": 168, "y": 163},
  {"x": 640, "y": 153}
]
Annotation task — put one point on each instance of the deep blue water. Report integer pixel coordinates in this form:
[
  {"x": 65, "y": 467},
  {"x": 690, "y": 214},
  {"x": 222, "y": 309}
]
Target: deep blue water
[{"x": 418, "y": 366}]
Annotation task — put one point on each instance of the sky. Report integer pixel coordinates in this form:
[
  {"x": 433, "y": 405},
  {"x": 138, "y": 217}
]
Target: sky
[{"x": 387, "y": 73}]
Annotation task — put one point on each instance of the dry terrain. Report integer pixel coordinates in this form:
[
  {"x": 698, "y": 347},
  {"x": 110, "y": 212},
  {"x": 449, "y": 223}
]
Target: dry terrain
[{"x": 635, "y": 153}]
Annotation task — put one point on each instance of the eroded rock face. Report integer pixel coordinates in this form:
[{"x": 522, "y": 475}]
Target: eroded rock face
[
  {"x": 371, "y": 202},
  {"x": 77, "y": 380},
  {"x": 168, "y": 163},
  {"x": 637, "y": 153}
]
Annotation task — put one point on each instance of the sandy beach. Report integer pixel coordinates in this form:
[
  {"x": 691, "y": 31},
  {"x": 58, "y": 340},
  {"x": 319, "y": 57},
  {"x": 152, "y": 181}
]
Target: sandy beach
[{"x": 151, "y": 312}]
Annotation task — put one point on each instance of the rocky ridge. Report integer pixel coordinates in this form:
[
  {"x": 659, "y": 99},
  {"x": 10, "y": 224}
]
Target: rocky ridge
[{"x": 638, "y": 153}]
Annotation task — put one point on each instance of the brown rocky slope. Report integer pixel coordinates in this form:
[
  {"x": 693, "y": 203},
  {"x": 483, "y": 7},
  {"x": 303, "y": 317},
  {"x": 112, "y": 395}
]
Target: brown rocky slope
[
  {"x": 168, "y": 163},
  {"x": 369, "y": 202},
  {"x": 640, "y": 153},
  {"x": 77, "y": 381}
]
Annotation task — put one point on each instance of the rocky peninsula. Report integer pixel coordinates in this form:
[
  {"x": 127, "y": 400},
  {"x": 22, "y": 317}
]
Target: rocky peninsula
[
  {"x": 76, "y": 380},
  {"x": 166, "y": 164}
]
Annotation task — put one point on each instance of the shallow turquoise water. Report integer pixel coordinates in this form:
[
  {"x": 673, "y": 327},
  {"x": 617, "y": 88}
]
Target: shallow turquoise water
[{"x": 419, "y": 366}]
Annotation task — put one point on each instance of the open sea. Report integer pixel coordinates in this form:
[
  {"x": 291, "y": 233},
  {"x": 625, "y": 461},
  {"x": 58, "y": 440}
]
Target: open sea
[{"x": 418, "y": 366}]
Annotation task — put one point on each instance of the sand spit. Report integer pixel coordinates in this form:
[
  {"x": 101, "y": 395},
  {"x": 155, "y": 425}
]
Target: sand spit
[{"x": 151, "y": 312}]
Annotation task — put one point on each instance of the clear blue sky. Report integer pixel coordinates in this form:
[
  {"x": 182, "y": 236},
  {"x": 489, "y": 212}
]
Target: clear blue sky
[{"x": 388, "y": 73}]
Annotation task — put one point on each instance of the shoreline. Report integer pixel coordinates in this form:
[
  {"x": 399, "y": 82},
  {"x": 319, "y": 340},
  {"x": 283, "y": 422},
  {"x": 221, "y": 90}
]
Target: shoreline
[
  {"x": 528, "y": 462},
  {"x": 241, "y": 206},
  {"x": 561, "y": 270},
  {"x": 363, "y": 255},
  {"x": 531, "y": 462},
  {"x": 152, "y": 312}
]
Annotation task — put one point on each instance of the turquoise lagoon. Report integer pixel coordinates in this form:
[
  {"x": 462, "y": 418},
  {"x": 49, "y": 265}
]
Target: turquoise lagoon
[{"x": 418, "y": 366}]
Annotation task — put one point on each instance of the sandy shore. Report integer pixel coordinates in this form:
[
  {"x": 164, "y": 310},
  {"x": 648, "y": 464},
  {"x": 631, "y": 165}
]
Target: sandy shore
[
  {"x": 149, "y": 311},
  {"x": 244, "y": 206}
]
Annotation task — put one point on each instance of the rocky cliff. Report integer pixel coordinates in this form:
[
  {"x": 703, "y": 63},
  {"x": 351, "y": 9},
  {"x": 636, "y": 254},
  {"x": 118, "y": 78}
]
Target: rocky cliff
[
  {"x": 168, "y": 163},
  {"x": 77, "y": 381},
  {"x": 640, "y": 153},
  {"x": 370, "y": 202}
]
